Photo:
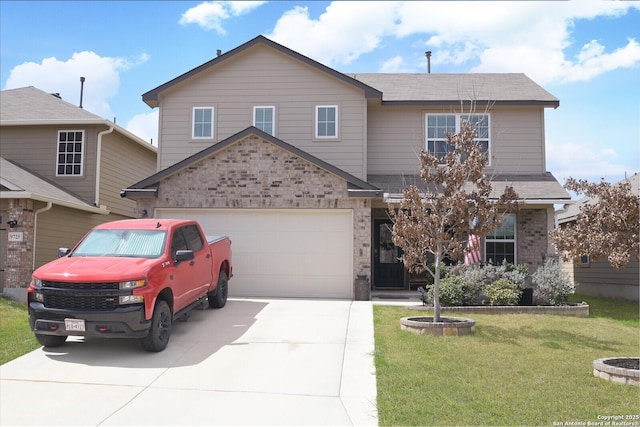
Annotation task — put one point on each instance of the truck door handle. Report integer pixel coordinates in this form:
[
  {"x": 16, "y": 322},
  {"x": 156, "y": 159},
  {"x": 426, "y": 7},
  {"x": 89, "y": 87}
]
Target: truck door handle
[{"x": 192, "y": 263}]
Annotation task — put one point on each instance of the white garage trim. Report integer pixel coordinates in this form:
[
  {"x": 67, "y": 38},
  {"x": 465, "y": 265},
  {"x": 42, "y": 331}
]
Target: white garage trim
[{"x": 284, "y": 253}]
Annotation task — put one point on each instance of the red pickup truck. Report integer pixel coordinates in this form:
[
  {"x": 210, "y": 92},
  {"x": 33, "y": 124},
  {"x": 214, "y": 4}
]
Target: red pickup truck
[{"x": 129, "y": 279}]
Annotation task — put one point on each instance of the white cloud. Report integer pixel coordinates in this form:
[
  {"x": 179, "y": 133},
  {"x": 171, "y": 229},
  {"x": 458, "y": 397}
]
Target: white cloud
[
  {"x": 585, "y": 162},
  {"x": 145, "y": 126},
  {"x": 210, "y": 15},
  {"x": 102, "y": 78},
  {"x": 341, "y": 34},
  {"x": 393, "y": 65},
  {"x": 530, "y": 37}
]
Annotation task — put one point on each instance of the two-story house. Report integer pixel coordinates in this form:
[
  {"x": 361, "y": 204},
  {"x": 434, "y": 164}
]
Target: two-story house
[
  {"x": 298, "y": 164},
  {"x": 61, "y": 172}
]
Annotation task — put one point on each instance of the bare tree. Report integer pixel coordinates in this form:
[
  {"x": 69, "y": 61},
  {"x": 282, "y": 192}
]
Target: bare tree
[
  {"x": 436, "y": 222},
  {"x": 608, "y": 226}
]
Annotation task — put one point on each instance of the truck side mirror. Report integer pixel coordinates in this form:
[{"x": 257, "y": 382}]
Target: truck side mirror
[
  {"x": 63, "y": 252},
  {"x": 183, "y": 255}
]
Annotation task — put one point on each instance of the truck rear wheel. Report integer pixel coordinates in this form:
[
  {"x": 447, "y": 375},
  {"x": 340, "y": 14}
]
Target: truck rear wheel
[
  {"x": 51, "y": 340},
  {"x": 218, "y": 299},
  {"x": 160, "y": 331}
]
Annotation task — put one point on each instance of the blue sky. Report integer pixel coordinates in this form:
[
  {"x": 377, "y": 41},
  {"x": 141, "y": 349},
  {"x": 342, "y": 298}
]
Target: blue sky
[{"x": 586, "y": 53}]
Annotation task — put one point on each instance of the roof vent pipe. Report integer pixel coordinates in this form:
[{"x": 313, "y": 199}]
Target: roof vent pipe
[
  {"x": 428, "y": 55},
  {"x": 218, "y": 52},
  {"x": 81, "y": 89}
]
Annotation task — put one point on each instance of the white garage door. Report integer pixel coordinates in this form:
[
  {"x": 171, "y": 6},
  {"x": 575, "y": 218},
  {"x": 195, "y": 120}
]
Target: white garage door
[{"x": 283, "y": 253}]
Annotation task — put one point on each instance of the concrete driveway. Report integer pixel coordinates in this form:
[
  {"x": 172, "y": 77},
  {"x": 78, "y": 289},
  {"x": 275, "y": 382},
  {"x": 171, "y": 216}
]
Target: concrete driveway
[{"x": 254, "y": 362}]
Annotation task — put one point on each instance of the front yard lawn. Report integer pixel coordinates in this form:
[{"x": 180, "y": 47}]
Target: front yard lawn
[
  {"x": 516, "y": 369},
  {"x": 16, "y": 337}
]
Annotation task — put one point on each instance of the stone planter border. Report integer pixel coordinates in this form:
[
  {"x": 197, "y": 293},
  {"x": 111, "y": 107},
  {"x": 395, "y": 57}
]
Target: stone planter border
[
  {"x": 577, "y": 310},
  {"x": 616, "y": 374},
  {"x": 448, "y": 326}
]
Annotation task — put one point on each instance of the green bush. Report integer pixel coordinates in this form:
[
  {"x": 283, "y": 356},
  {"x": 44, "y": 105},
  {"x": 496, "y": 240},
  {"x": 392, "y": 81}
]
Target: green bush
[
  {"x": 503, "y": 292},
  {"x": 552, "y": 284},
  {"x": 451, "y": 291}
]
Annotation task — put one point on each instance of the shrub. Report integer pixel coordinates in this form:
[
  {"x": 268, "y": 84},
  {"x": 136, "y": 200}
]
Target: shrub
[
  {"x": 552, "y": 284},
  {"x": 503, "y": 292},
  {"x": 518, "y": 274},
  {"x": 451, "y": 291}
]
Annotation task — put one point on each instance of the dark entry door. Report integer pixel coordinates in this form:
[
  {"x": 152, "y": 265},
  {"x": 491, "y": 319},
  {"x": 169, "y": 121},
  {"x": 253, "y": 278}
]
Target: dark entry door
[{"x": 388, "y": 270}]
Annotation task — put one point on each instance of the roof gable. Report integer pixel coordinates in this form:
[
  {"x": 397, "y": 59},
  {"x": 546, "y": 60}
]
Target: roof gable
[
  {"x": 146, "y": 186},
  {"x": 151, "y": 97}
]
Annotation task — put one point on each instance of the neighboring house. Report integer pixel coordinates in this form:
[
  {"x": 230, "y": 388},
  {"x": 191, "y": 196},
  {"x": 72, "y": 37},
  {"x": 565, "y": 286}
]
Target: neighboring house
[
  {"x": 298, "y": 164},
  {"x": 61, "y": 172},
  {"x": 597, "y": 277}
]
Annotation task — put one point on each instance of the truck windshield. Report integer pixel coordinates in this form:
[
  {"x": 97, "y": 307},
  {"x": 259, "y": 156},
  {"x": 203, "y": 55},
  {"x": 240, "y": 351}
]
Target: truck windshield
[{"x": 122, "y": 243}]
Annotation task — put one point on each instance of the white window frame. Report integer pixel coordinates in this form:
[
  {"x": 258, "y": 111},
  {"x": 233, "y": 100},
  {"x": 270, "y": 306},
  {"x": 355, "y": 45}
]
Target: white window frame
[
  {"x": 273, "y": 118},
  {"x": 458, "y": 123},
  {"x": 489, "y": 239},
  {"x": 72, "y": 161},
  {"x": 193, "y": 122},
  {"x": 317, "y": 122}
]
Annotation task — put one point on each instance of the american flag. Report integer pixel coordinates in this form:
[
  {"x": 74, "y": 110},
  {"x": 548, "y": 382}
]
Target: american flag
[{"x": 473, "y": 250}]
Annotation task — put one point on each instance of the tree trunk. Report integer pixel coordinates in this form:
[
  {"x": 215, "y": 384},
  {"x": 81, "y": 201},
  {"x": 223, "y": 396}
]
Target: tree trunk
[{"x": 436, "y": 291}]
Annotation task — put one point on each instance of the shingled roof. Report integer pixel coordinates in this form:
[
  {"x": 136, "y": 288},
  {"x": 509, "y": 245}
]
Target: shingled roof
[
  {"x": 29, "y": 104},
  {"x": 17, "y": 182},
  {"x": 447, "y": 89}
]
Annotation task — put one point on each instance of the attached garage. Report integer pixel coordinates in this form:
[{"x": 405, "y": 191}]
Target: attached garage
[
  {"x": 283, "y": 252},
  {"x": 300, "y": 227}
]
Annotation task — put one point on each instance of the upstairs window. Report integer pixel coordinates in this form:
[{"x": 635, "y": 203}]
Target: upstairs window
[
  {"x": 264, "y": 119},
  {"x": 70, "y": 160},
  {"x": 326, "y": 121},
  {"x": 202, "y": 123},
  {"x": 500, "y": 244},
  {"x": 440, "y": 125}
]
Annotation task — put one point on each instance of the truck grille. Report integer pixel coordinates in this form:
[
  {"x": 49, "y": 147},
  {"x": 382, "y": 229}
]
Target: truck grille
[{"x": 81, "y": 296}]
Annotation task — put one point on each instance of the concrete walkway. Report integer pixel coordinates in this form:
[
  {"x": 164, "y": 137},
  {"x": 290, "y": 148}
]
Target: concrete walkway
[{"x": 254, "y": 362}]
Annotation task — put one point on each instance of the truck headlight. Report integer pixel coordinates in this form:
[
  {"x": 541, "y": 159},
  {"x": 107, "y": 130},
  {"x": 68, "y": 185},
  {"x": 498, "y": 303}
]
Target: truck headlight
[
  {"x": 36, "y": 289},
  {"x": 133, "y": 284},
  {"x": 130, "y": 299},
  {"x": 36, "y": 283}
]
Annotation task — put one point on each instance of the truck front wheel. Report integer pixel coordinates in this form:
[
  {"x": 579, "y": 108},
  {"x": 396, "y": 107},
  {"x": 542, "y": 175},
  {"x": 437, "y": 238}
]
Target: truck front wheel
[
  {"x": 51, "y": 340},
  {"x": 160, "y": 331},
  {"x": 218, "y": 299}
]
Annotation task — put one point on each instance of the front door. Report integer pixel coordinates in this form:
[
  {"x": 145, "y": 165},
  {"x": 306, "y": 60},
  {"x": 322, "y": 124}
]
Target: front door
[{"x": 388, "y": 269}]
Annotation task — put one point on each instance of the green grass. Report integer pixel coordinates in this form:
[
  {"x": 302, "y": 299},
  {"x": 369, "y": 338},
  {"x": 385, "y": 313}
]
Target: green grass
[
  {"x": 16, "y": 337},
  {"x": 623, "y": 311},
  {"x": 515, "y": 369}
]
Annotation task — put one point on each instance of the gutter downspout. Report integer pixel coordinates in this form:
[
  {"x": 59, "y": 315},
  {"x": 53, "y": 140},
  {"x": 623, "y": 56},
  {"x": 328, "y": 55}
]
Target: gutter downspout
[
  {"x": 35, "y": 232},
  {"x": 98, "y": 160}
]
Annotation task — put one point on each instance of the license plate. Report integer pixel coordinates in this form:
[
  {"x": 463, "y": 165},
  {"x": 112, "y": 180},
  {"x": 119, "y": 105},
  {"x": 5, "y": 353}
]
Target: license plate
[{"x": 74, "y": 325}]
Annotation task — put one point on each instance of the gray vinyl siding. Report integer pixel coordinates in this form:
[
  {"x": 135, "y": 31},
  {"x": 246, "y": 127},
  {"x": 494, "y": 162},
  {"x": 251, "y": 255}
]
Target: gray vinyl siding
[
  {"x": 63, "y": 227},
  {"x": 122, "y": 163},
  {"x": 601, "y": 273},
  {"x": 35, "y": 147},
  {"x": 266, "y": 77},
  {"x": 396, "y": 136}
]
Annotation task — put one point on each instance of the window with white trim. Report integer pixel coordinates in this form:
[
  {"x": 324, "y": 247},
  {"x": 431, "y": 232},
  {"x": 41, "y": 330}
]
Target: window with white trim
[
  {"x": 70, "y": 161},
  {"x": 326, "y": 121},
  {"x": 202, "y": 127},
  {"x": 440, "y": 125},
  {"x": 264, "y": 119},
  {"x": 500, "y": 244}
]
